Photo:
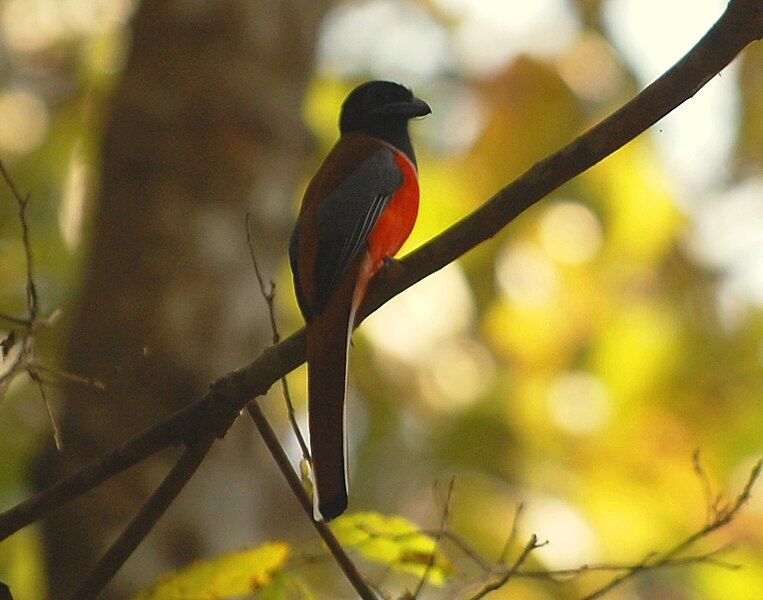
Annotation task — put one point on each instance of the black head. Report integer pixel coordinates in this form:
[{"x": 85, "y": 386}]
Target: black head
[{"x": 382, "y": 109}]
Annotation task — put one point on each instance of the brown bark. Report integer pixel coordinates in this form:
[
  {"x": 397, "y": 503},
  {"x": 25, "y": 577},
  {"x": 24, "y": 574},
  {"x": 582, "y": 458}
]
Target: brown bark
[{"x": 205, "y": 125}]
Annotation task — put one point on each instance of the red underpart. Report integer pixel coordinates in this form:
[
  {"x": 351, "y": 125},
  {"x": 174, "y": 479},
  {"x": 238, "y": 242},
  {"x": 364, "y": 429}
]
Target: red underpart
[{"x": 392, "y": 229}]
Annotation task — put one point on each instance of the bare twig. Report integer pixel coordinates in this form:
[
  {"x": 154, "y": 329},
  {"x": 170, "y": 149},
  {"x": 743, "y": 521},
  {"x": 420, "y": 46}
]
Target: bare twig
[
  {"x": 460, "y": 543},
  {"x": 707, "y": 488},
  {"x": 490, "y": 586},
  {"x": 500, "y": 574},
  {"x": 277, "y": 451},
  {"x": 57, "y": 437},
  {"x": 721, "y": 518},
  {"x": 26, "y": 361},
  {"x": 438, "y": 536},
  {"x": 23, "y": 202},
  {"x": 92, "y": 382},
  {"x": 27, "y": 348},
  {"x": 512, "y": 534},
  {"x": 14, "y": 320},
  {"x": 144, "y": 521},
  {"x": 555, "y": 574},
  {"x": 269, "y": 297}
]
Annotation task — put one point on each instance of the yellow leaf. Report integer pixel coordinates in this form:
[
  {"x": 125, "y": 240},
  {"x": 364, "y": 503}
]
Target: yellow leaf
[
  {"x": 392, "y": 541},
  {"x": 230, "y": 575}
]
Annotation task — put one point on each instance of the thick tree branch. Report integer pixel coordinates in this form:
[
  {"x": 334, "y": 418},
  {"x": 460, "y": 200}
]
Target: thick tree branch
[{"x": 740, "y": 24}]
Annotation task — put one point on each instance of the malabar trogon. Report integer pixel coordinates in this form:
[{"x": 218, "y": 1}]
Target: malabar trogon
[{"x": 357, "y": 211}]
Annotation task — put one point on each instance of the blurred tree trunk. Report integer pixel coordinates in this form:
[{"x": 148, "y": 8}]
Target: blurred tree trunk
[{"x": 205, "y": 125}]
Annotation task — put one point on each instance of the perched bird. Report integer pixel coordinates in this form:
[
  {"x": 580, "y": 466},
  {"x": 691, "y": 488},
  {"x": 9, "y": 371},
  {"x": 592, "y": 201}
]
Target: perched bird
[{"x": 356, "y": 213}]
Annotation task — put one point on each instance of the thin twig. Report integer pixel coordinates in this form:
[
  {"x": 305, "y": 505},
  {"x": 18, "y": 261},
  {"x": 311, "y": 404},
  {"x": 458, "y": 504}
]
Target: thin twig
[
  {"x": 512, "y": 534},
  {"x": 438, "y": 536},
  {"x": 269, "y": 297},
  {"x": 57, "y": 437},
  {"x": 491, "y": 586},
  {"x": 23, "y": 202},
  {"x": 722, "y": 518},
  {"x": 28, "y": 345},
  {"x": 15, "y": 320},
  {"x": 144, "y": 521},
  {"x": 706, "y": 558},
  {"x": 707, "y": 488},
  {"x": 65, "y": 375},
  {"x": 277, "y": 451},
  {"x": 460, "y": 543}
]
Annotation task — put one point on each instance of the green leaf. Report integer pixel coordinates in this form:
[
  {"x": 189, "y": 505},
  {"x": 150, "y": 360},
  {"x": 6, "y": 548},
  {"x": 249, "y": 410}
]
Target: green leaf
[
  {"x": 227, "y": 576},
  {"x": 392, "y": 541}
]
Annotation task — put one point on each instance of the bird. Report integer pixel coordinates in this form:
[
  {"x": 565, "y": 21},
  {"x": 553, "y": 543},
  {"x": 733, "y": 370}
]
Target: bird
[{"x": 357, "y": 211}]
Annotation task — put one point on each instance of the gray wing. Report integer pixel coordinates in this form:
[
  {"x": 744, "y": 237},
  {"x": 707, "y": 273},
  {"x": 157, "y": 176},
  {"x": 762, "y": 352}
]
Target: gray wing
[{"x": 347, "y": 217}]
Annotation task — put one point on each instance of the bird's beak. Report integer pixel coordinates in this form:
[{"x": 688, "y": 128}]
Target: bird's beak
[{"x": 415, "y": 107}]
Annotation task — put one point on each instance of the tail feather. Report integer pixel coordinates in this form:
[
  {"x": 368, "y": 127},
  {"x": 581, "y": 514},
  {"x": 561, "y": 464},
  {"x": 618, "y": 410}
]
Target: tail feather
[{"x": 327, "y": 345}]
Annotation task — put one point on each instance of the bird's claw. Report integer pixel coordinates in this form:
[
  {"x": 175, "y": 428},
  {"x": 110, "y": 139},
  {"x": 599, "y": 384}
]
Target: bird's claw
[{"x": 391, "y": 264}]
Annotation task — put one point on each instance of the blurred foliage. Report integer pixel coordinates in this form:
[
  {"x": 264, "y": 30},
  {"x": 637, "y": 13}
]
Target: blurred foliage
[{"x": 574, "y": 362}]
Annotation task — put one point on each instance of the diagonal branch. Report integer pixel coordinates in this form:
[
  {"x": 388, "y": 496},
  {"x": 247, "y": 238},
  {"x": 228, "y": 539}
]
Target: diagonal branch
[
  {"x": 144, "y": 521},
  {"x": 275, "y": 448},
  {"x": 740, "y": 24}
]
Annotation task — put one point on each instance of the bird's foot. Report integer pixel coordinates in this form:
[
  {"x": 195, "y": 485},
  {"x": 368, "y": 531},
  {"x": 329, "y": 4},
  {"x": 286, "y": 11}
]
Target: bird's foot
[{"x": 391, "y": 265}]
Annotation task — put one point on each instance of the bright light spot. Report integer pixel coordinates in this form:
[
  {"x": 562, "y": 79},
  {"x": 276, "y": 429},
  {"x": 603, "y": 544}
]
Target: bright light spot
[
  {"x": 73, "y": 200},
  {"x": 23, "y": 121},
  {"x": 434, "y": 310},
  {"x": 458, "y": 121},
  {"x": 29, "y": 26},
  {"x": 578, "y": 402},
  {"x": 455, "y": 374},
  {"x": 571, "y": 540},
  {"x": 34, "y": 25},
  {"x": 729, "y": 227},
  {"x": 526, "y": 275},
  {"x": 728, "y": 234},
  {"x": 591, "y": 69},
  {"x": 392, "y": 39},
  {"x": 492, "y": 32},
  {"x": 570, "y": 232},
  {"x": 654, "y": 34}
]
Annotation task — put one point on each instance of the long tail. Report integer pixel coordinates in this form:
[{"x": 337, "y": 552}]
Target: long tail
[{"x": 327, "y": 344}]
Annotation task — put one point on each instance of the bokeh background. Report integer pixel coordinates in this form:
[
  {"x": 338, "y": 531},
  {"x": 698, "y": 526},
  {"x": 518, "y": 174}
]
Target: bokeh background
[{"x": 574, "y": 362}]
